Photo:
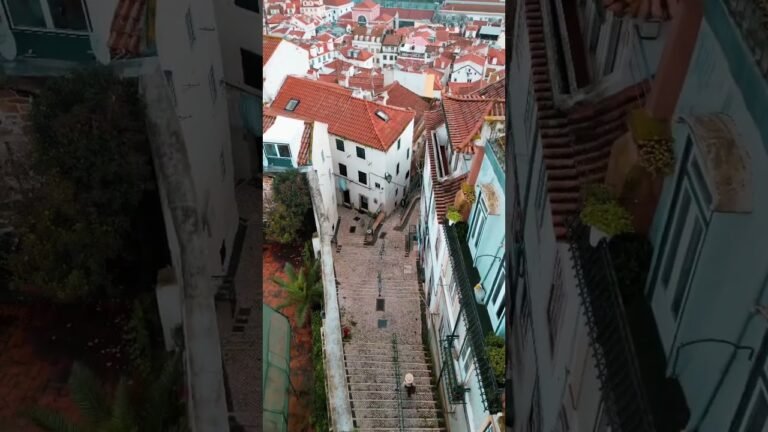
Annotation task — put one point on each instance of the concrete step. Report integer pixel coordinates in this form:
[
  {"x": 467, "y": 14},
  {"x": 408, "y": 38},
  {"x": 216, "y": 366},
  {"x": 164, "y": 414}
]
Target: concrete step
[
  {"x": 375, "y": 429},
  {"x": 380, "y": 377},
  {"x": 390, "y": 405},
  {"x": 372, "y": 389},
  {"x": 412, "y": 367},
  {"x": 402, "y": 357},
  {"x": 390, "y": 394},
  {"x": 393, "y": 423}
]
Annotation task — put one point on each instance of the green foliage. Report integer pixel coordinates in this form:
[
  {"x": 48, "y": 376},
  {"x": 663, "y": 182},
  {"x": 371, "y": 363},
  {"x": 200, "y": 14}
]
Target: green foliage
[
  {"x": 319, "y": 416},
  {"x": 303, "y": 287},
  {"x": 453, "y": 214},
  {"x": 469, "y": 192},
  {"x": 154, "y": 407},
  {"x": 292, "y": 201},
  {"x": 497, "y": 356},
  {"x": 602, "y": 211},
  {"x": 91, "y": 149},
  {"x": 657, "y": 156},
  {"x": 139, "y": 339}
]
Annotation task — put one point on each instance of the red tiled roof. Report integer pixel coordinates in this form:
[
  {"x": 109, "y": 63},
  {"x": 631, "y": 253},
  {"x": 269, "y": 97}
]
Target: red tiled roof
[
  {"x": 410, "y": 14},
  {"x": 306, "y": 145},
  {"x": 269, "y": 44},
  {"x": 365, "y": 4},
  {"x": 400, "y": 96},
  {"x": 575, "y": 145},
  {"x": 267, "y": 121},
  {"x": 277, "y": 19},
  {"x": 498, "y": 54},
  {"x": 366, "y": 79},
  {"x": 464, "y": 118},
  {"x": 471, "y": 58},
  {"x": 433, "y": 118},
  {"x": 362, "y": 54},
  {"x": 464, "y": 89},
  {"x": 126, "y": 32},
  {"x": 444, "y": 191},
  {"x": 391, "y": 40},
  {"x": 496, "y": 90},
  {"x": 352, "y": 118}
]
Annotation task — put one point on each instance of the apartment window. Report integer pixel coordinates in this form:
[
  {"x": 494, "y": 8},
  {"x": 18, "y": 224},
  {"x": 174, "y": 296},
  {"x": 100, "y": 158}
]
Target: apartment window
[
  {"x": 282, "y": 151},
  {"x": 190, "y": 27},
  {"x": 62, "y": 15},
  {"x": 481, "y": 215},
  {"x": 251, "y": 5},
  {"x": 322, "y": 155},
  {"x": 169, "y": 81},
  {"x": 686, "y": 267},
  {"x": 360, "y": 152},
  {"x": 342, "y": 170},
  {"x": 397, "y": 191},
  {"x": 407, "y": 174},
  {"x": 407, "y": 153},
  {"x": 362, "y": 177},
  {"x": 397, "y": 169},
  {"x": 212, "y": 84},
  {"x": 555, "y": 304},
  {"x": 339, "y": 144},
  {"x": 464, "y": 358},
  {"x": 498, "y": 288},
  {"x": 757, "y": 420},
  {"x": 398, "y": 144},
  {"x": 252, "y": 68}
]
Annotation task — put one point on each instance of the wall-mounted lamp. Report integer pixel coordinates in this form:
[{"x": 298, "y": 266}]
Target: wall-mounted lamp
[
  {"x": 388, "y": 177},
  {"x": 480, "y": 293}
]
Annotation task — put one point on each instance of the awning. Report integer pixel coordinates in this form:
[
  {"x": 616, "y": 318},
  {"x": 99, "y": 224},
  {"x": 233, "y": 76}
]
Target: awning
[{"x": 343, "y": 184}]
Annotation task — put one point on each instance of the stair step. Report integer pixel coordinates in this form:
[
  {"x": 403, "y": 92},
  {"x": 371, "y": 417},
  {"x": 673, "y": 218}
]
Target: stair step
[
  {"x": 378, "y": 366},
  {"x": 391, "y": 405},
  {"x": 389, "y": 394},
  {"x": 372, "y": 388},
  {"x": 381, "y": 378},
  {"x": 394, "y": 423}
]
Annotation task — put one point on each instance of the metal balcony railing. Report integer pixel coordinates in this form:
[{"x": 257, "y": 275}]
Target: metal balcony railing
[
  {"x": 475, "y": 327},
  {"x": 454, "y": 388},
  {"x": 627, "y": 348},
  {"x": 750, "y": 17}
]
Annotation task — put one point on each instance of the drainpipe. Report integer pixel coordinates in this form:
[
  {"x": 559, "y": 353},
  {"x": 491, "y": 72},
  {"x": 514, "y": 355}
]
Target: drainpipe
[
  {"x": 754, "y": 313},
  {"x": 675, "y": 59}
]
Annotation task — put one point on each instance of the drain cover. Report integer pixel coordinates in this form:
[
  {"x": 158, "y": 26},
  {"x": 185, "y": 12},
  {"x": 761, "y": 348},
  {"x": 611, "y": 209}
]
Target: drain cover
[
  {"x": 380, "y": 305},
  {"x": 352, "y": 229},
  {"x": 382, "y": 324}
]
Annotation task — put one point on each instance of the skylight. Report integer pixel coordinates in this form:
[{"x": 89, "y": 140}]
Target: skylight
[
  {"x": 382, "y": 115},
  {"x": 291, "y": 105}
]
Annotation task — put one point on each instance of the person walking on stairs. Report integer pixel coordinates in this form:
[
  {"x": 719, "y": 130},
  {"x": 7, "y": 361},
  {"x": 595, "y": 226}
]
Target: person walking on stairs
[{"x": 410, "y": 386}]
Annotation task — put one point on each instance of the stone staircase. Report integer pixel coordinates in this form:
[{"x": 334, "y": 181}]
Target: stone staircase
[{"x": 379, "y": 300}]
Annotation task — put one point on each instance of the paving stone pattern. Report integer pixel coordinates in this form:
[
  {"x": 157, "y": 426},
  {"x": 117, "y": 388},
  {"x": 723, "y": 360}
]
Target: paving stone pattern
[{"x": 369, "y": 353}]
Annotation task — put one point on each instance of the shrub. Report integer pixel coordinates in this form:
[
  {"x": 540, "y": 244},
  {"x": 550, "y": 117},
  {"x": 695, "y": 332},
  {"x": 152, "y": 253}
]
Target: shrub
[
  {"x": 453, "y": 214},
  {"x": 469, "y": 192},
  {"x": 319, "y": 416},
  {"x": 610, "y": 218},
  {"x": 497, "y": 356},
  {"x": 292, "y": 202}
]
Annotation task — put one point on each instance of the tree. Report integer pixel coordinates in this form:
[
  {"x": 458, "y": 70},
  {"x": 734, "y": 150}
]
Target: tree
[
  {"x": 155, "y": 407},
  {"x": 291, "y": 203},
  {"x": 90, "y": 152},
  {"x": 304, "y": 287}
]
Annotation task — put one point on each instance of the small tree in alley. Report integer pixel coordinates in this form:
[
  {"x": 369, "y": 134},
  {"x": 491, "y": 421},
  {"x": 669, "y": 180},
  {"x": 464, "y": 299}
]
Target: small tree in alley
[
  {"x": 291, "y": 203},
  {"x": 303, "y": 287}
]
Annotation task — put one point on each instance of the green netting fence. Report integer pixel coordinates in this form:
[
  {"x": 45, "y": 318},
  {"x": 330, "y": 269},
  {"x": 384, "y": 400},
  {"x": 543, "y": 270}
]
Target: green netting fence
[{"x": 276, "y": 370}]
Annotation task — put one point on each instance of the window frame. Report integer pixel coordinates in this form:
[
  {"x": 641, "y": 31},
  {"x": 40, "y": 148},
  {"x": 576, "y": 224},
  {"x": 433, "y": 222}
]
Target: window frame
[
  {"x": 362, "y": 177},
  {"x": 189, "y": 23},
  {"x": 360, "y": 151},
  {"x": 50, "y": 26},
  {"x": 340, "y": 145},
  {"x": 251, "y": 62},
  {"x": 343, "y": 170},
  {"x": 277, "y": 146}
]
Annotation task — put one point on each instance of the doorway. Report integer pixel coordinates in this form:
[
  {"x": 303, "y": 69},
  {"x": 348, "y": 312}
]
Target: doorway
[
  {"x": 364, "y": 202},
  {"x": 345, "y": 198}
]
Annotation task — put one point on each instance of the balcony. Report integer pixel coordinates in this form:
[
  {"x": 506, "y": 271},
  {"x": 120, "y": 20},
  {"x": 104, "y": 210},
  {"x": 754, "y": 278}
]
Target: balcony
[
  {"x": 750, "y": 17},
  {"x": 630, "y": 358},
  {"x": 476, "y": 319},
  {"x": 455, "y": 389}
]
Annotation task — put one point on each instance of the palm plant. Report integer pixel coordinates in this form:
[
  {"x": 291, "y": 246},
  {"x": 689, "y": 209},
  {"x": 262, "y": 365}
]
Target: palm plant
[
  {"x": 304, "y": 287},
  {"x": 153, "y": 406}
]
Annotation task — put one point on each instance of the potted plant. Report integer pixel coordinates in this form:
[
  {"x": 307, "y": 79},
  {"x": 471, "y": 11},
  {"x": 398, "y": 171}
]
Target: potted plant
[
  {"x": 453, "y": 215},
  {"x": 469, "y": 192},
  {"x": 479, "y": 293},
  {"x": 603, "y": 213}
]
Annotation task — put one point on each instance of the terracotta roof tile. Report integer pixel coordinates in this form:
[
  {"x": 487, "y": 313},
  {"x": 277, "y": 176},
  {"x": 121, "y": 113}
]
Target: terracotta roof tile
[
  {"x": 348, "y": 117},
  {"x": 464, "y": 118},
  {"x": 306, "y": 145},
  {"x": 464, "y": 89},
  {"x": 444, "y": 191},
  {"x": 575, "y": 144},
  {"x": 127, "y": 30},
  {"x": 410, "y": 14},
  {"x": 268, "y": 120},
  {"x": 391, "y": 40},
  {"x": 433, "y": 119},
  {"x": 337, "y": 3},
  {"x": 480, "y": 8},
  {"x": 366, "y": 4},
  {"x": 496, "y": 90}
]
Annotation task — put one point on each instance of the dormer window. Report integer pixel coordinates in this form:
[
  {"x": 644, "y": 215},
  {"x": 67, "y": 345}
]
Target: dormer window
[
  {"x": 291, "y": 105},
  {"x": 382, "y": 115}
]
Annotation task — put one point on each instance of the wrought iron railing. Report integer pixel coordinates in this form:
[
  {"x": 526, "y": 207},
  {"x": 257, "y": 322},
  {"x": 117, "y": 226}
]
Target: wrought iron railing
[
  {"x": 489, "y": 390},
  {"x": 454, "y": 388},
  {"x": 398, "y": 383},
  {"x": 750, "y": 17},
  {"x": 624, "y": 394}
]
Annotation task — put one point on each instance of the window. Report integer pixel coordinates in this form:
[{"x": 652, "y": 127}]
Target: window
[
  {"x": 407, "y": 174},
  {"x": 555, "y": 304},
  {"x": 212, "y": 84},
  {"x": 398, "y": 144},
  {"x": 339, "y": 144},
  {"x": 251, "y": 5},
  {"x": 377, "y": 185},
  {"x": 541, "y": 194},
  {"x": 397, "y": 169},
  {"x": 363, "y": 202},
  {"x": 362, "y": 177},
  {"x": 169, "y": 81},
  {"x": 438, "y": 244},
  {"x": 251, "y": 64},
  {"x": 64, "y": 15},
  {"x": 360, "y": 152},
  {"x": 686, "y": 268},
  {"x": 481, "y": 215},
  {"x": 397, "y": 191},
  {"x": 342, "y": 169},
  {"x": 525, "y": 314},
  {"x": 322, "y": 155},
  {"x": 464, "y": 358},
  {"x": 407, "y": 153},
  {"x": 277, "y": 150},
  {"x": 190, "y": 27},
  {"x": 757, "y": 419}
]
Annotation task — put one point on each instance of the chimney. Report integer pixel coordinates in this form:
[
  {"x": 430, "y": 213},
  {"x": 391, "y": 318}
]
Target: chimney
[
  {"x": 477, "y": 163},
  {"x": 675, "y": 59}
]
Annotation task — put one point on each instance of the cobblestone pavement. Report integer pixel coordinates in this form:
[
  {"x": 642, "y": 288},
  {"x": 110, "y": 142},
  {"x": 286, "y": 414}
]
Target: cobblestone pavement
[{"x": 379, "y": 298}]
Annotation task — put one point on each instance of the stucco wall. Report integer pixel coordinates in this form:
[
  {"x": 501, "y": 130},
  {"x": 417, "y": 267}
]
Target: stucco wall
[{"x": 288, "y": 59}]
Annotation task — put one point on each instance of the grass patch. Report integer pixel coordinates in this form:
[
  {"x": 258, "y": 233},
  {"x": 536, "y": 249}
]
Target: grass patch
[{"x": 319, "y": 417}]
